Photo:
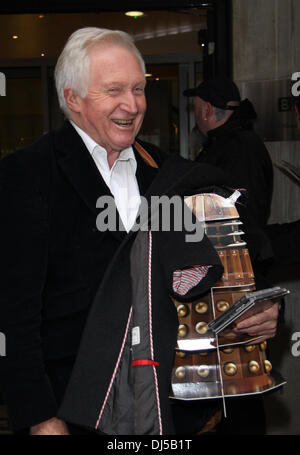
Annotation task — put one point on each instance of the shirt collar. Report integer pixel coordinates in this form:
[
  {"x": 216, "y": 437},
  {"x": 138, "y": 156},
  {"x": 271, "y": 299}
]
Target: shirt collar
[
  {"x": 88, "y": 141},
  {"x": 93, "y": 147}
]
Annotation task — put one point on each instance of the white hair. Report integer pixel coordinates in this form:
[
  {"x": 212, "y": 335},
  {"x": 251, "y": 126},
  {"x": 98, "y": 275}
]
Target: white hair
[{"x": 73, "y": 65}]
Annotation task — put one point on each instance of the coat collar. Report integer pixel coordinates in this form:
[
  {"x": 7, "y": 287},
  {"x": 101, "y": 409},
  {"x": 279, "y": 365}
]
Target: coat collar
[{"x": 78, "y": 165}]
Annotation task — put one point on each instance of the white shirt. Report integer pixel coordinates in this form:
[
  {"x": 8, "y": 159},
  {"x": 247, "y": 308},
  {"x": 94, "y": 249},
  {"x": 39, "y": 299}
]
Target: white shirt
[{"x": 120, "y": 179}]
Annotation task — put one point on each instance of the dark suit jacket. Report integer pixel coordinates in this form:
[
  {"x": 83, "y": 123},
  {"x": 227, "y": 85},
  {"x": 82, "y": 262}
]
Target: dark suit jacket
[{"x": 52, "y": 260}]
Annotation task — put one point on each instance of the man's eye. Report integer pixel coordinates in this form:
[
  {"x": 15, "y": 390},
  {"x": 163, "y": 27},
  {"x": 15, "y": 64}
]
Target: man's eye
[
  {"x": 139, "y": 90},
  {"x": 114, "y": 90}
]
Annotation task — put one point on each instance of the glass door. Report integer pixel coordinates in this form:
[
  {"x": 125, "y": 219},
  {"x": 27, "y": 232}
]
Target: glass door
[{"x": 21, "y": 109}]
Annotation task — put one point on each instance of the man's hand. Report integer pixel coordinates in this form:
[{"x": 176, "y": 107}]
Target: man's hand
[
  {"x": 52, "y": 426},
  {"x": 262, "y": 324}
]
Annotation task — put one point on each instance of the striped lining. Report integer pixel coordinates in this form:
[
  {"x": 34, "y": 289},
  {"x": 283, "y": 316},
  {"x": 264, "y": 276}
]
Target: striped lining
[{"x": 186, "y": 279}]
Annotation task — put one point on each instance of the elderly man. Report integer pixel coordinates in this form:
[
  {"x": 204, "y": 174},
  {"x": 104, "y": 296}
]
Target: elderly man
[
  {"x": 53, "y": 256},
  {"x": 55, "y": 262}
]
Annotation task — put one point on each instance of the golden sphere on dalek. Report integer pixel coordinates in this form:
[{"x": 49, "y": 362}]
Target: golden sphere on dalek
[
  {"x": 180, "y": 372},
  {"x": 202, "y": 353},
  {"x": 201, "y": 328},
  {"x": 201, "y": 307},
  {"x": 268, "y": 366},
  {"x": 203, "y": 371},
  {"x": 227, "y": 350},
  {"x": 182, "y": 311},
  {"x": 222, "y": 305},
  {"x": 253, "y": 366},
  {"x": 182, "y": 330},
  {"x": 230, "y": 369},
  {"x": 181, "y": 354}
]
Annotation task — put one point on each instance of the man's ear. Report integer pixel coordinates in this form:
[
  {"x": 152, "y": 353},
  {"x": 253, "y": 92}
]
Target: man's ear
[
  {"x": 206, "y": 111},
  {"x": 209, "y": 110},
  {"x": 73, "y": 100}
]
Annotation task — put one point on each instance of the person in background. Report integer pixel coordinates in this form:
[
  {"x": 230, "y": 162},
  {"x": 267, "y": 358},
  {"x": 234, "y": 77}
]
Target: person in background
[{"x": 231, "y": 142}]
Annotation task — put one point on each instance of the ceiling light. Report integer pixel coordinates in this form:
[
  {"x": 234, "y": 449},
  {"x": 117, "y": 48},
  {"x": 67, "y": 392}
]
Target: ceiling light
[
  {"x": 41, "y": 16},
  {"x": 15, "y": 37},
  {"x": 134, "y": 14},
  {"x": 148, "y": 74}
]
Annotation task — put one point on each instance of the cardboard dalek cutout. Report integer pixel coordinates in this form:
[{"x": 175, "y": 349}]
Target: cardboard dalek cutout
[{"x": 223, "y": 365}]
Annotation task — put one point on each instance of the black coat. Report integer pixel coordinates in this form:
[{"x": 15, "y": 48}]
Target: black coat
[
  {"x": 236, "y": 149},
  {"x": 52, "y": 261}
]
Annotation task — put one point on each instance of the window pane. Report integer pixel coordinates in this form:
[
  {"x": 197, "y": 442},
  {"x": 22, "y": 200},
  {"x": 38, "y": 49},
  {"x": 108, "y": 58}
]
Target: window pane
[{"x": 21, "y": 112}]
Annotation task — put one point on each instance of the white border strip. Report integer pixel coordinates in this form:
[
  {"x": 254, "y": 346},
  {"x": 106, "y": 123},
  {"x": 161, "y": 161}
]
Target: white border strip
[
  {"x": 150, "y": 330},
  {"x": 115, "y": 370}
]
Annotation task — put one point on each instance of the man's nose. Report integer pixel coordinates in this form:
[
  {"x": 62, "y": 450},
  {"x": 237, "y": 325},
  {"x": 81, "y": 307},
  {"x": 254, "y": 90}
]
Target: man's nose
[{"x": 129, "y": 102}]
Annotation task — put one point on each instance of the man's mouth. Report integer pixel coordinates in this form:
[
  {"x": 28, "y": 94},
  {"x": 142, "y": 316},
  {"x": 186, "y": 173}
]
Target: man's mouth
[{"x": 123, "y": 123}]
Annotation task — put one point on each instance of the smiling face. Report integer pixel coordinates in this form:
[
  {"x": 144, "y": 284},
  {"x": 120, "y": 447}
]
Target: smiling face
[{"x": 114, "y": 107}]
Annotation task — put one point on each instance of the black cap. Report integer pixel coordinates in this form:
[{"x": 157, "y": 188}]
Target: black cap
[{"x": 217, "y": 91}]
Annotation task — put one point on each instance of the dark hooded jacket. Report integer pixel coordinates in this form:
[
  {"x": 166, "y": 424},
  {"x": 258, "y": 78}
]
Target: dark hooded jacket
[{"x": 239, "y": 151}]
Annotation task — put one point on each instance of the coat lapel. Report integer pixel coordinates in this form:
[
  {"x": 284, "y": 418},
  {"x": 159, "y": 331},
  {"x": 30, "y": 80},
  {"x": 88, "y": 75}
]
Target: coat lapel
[
  {"x": 78, "y": 166},
  {"x": 81, "y": 171}
]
